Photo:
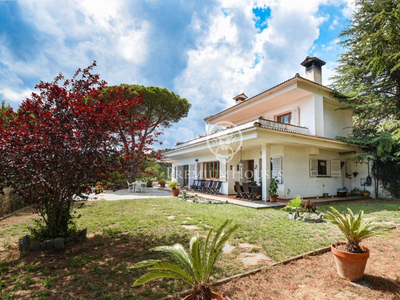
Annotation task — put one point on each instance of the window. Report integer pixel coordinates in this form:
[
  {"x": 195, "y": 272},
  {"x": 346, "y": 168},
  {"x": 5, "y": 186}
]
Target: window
[
  {"x": 319, "y": 167},
  {"x": 286, "y": 118},
  {"x": 211, "y": 169},
  {"x": 322, "y": 167}
]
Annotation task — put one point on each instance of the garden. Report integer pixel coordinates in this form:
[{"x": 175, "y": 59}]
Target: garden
[{"x": 123, "y": 233}]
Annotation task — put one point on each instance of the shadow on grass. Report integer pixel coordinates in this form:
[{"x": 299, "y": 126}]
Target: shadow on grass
[{"x": 96, "y": 268}]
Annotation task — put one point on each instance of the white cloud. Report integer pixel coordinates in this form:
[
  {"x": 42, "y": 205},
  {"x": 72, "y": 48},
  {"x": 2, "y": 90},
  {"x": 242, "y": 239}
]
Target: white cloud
[
  {"x": 15, "y": 95},
  {"x": 223, "y": 53}
]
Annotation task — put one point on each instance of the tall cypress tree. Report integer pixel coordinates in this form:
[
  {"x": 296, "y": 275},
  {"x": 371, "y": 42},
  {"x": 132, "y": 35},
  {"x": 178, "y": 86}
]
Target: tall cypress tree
[{"x": 368, "y": 82}]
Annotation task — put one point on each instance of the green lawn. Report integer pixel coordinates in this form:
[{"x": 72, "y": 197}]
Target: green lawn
[
  {"x": 123, "y": 232},
  {"x": 269, "y": 228}
]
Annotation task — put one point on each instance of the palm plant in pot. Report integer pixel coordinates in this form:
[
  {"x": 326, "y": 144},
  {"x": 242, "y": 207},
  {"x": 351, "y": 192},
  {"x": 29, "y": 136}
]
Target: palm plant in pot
[
  {"x": 273, "y": 190},
  {"x": 193, "y": 268},
  {"x": 350, "y": 257},
  {"x": 173, "y": 185}
]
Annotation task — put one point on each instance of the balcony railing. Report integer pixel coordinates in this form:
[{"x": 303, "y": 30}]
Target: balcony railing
[{"x": 247, "y": 125}]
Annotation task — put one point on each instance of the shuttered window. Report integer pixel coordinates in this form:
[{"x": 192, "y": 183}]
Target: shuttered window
[
  {"x": 320, "y": 167},
  {"x": 276, "y": 168}
]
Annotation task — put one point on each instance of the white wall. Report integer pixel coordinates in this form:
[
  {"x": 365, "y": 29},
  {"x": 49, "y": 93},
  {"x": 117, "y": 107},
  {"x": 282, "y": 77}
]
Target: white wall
[
  {"x": 297, "y": 180},
  {"x": 336, "y": 122}
]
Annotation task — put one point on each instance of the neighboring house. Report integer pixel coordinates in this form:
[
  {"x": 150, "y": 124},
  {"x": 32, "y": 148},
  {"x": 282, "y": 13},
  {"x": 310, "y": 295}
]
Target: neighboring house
[{"x": 287, "y": 132}]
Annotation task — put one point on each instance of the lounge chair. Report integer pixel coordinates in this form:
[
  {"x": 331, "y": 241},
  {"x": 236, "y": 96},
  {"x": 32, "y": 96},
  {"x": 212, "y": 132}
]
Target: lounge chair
[
  {"x": 202, "y": 185},
  {"x": 195, "y": 185},
  {"x": 212, "y": 187},
  {"x": 208, "y": 186},
  {"x": 217, "y": 187}
]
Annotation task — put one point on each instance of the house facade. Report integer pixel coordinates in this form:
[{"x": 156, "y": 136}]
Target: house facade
[{"x": 287, "y": 132}]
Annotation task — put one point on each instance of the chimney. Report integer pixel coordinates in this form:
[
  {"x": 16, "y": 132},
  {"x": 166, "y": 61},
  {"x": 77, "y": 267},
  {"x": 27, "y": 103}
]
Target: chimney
[
  {"x": 313, "y": 67},
  {"x": 240, "y": 98}
]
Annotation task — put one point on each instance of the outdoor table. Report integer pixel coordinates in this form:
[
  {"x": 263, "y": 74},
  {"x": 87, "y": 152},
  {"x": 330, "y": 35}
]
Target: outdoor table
[{"x": 256, "y": 190}]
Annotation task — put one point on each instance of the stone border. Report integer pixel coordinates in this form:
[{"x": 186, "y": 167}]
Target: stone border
[
  {"x": 25, "y": 245},
  {"x": 282, "y": 262}
]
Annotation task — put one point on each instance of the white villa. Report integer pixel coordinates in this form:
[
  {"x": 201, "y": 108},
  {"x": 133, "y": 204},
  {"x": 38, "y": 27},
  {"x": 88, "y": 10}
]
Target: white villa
[{"x": 286, "y": 132}]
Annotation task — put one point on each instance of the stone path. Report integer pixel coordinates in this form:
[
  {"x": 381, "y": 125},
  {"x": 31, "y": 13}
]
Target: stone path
[{"x": 248, "y": 258}]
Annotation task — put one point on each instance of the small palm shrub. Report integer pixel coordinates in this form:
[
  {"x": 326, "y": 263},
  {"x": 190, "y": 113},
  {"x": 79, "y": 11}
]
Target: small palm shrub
[
  {"x": 294, "y": 204},
  {"x": 193, "y": 268},
  {"x": 354, "y": 227}
]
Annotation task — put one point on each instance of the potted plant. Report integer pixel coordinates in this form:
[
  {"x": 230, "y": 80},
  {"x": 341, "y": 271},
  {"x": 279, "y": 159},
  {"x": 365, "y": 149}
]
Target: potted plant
[
  {"x": 162, "y": 182},
  {"x": 350, "y": 257},
  {"x": 273, "y": 190},
  {"x": 173, "y": 185},
  {"x": 193, "y": 268},
  {"x": 366, "y": 193}
]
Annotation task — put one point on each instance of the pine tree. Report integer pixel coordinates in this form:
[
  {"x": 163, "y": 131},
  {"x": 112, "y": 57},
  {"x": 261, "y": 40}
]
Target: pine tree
[{"x": 368, "y": 81}]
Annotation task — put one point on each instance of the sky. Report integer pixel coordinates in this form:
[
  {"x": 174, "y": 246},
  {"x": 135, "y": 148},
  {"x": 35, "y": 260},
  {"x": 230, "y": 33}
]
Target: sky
[{"x": 207, "y": 51}]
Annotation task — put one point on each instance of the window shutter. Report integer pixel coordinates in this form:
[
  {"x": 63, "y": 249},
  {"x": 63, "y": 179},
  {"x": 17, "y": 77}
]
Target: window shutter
[
  {"x": 222, "y": 170},
  {"x": 191, "y": 176},
  {"x": 335, "y": 168},
  {"x": 277, "y": 168},
  {"x": 296, "y": 116},
  {"x": 313, "y": 167},
  {"x": 196, "y": 171}
]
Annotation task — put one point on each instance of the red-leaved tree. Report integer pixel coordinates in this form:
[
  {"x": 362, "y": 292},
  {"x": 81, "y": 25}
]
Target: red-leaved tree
[{"x": 60, "y": 139}]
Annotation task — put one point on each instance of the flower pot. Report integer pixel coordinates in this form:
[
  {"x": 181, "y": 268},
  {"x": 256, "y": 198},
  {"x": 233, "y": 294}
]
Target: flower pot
[
  {"x": 273, "y": 199},
  {"x": 350, "y": 266},
  {"x": 162, "y": 185},
  {"x": 366, "y": 194},
  {"x": 175, "y": 192}
]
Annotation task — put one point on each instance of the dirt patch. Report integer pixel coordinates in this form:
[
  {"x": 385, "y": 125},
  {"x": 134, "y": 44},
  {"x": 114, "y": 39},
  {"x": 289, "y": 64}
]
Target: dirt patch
[{"x": 316, "y": 278}]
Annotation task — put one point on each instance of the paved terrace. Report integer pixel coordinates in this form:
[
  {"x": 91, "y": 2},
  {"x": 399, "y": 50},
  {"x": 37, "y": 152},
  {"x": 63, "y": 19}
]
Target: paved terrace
[{"x": 155, "y": 192}]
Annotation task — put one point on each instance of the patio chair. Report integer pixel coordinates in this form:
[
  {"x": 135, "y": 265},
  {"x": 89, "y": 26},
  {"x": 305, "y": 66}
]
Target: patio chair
[
  {"x": 139, "y": 186},
  {"x": 131, "y": 186},
  {"x": 246, "y": 191},
  {"x": 238, "y": 190}
]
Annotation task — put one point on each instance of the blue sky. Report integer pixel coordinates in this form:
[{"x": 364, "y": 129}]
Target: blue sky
[{"x": 206, "y": 51}]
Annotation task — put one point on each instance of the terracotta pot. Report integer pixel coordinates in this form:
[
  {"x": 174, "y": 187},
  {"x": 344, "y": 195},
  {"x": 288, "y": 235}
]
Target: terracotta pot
[
  {"x": 273, "y": 199},
  {"x": 350, "y": 266},
  {"x": 175, "y": 192},
  {"x": 214, "y": 295},
  {"x": 162, "y": 185}
]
